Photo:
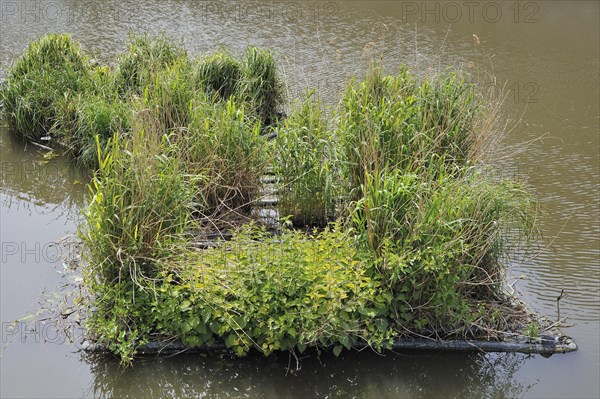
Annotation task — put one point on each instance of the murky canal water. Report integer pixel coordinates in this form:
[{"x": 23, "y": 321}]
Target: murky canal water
[{"x": 545, "y": 53}]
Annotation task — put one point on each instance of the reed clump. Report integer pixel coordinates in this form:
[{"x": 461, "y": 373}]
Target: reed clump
[
  {"x": 439, "y": 243},
  {"x": 220, "y": 74},
  {"x": 395, "y": 122},
  {"x": 89, "y": 120},
  {"x": 304, "y": 163},
  {"x": 261, "y": 86},
  {"x": 50, "y": 70},
  {"x": 170, "y": 96},
  {"x": 54, "y": 91},
  {"x": 141, "y": 200},
  {"x": 145, "y": 59},
  {"x": 224, "y": 145},
  {"x": 140, "y": 206}
]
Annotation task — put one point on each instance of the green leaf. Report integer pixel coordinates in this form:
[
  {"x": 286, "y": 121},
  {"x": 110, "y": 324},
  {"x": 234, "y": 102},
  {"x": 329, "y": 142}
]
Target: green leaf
[
  {"x": 346, "y": 341},
  {"x": 185, "y": 327},
  {"x": 301, "y": 348},
  {"x": 337, "y": 350},
  {"x": 194, "y": 321},
  {"x": 193, "y": 341},
  {"x": 185, "y": 305},
  {"x": 239, "y": 350},
  {"x": 201, "y": 328},
  {"x": 230, "y": 340},
  {"x": 215, "y": 327},
  {"x": 240, "y": 321}
]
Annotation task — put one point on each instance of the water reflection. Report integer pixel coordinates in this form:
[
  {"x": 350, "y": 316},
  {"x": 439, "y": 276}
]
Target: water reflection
[
  {"x": 38, "y": 181},
  {"x": 363, "y": 375}
]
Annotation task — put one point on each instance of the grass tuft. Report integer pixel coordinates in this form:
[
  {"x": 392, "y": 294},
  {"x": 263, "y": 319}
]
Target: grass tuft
[
  {"x": 226, "y": 147},
  {"x": 51, "y": 69},
  {"x": 261, "y": 85},
  {"x": 146, "y": 58},
  {"x": 220, "y": 74},
  {"x": 141, "y": 199},
  {"x": 388, "y": 123}
]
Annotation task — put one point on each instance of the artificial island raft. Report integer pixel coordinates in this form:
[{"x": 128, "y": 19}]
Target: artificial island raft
[{"x": 384, "y": 226}]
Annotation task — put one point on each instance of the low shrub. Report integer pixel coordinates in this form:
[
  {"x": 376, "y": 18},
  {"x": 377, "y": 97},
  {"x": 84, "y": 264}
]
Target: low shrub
[{"x": 258, "y": 291}]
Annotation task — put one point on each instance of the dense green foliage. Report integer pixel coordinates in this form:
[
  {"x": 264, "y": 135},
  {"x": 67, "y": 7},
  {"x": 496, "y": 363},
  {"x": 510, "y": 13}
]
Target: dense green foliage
[
  {"x": 221, "y": 74},
  {"x": 393, "y": 122},
  {"x": 437, "y": 243},
  {"x": 260, "y": 85},
  {"x": 140, "y": 206},
  {"x": 87, "y": 117},
  {"x": 271, "y": 293},
  {"x": 405, "y": 226},
  {"x": 145, "y": 59}
]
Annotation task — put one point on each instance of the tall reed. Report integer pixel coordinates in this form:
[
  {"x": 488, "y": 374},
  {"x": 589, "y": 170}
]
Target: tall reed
[
  {"x": 439, "y": 242},
  {"x": 388, "y": 123},
  {"x": 226, "y": 147},
  {"x": 87, "y": 121},
  {"x": 146, "y": 57},
  {"x": 261, "y": 85},
  {"x": 220, "y": 74},
  {"x": 304, "y": 163},
  {"x": 141, "y": 199},
  {"x": 170, "y": 96}
]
